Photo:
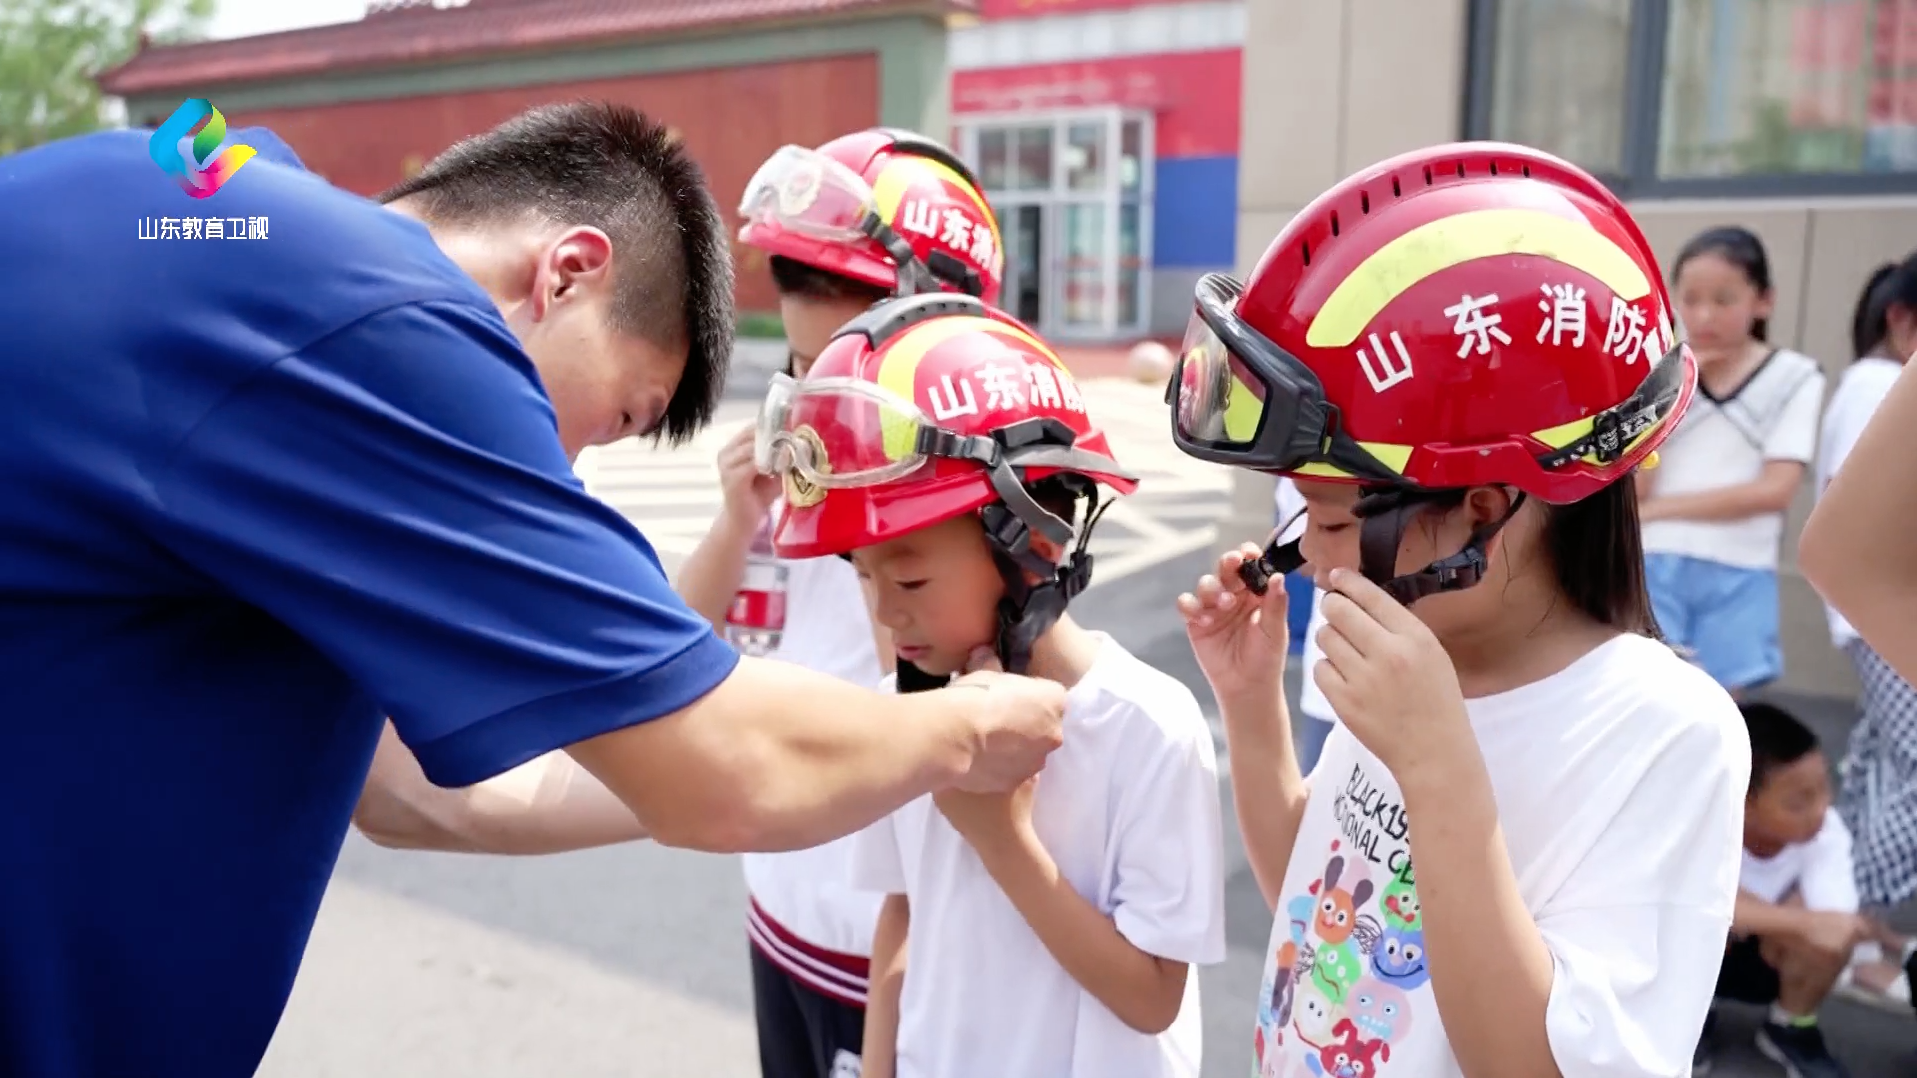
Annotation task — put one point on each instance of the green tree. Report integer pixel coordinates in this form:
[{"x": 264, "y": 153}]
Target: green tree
[{"x": 50, "y": 50}]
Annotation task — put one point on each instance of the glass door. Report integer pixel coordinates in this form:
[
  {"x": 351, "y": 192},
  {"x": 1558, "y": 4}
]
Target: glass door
[{"x": 1072, "y": 193}]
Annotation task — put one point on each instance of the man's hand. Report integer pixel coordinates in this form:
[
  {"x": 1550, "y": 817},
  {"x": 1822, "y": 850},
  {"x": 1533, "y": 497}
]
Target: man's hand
[
  {"x": 1018, "y": 722},
  {"x": 748, "y": 492},
  {"x": 1831, "y": 932}
]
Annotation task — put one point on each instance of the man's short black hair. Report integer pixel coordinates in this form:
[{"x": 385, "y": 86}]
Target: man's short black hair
[
  {"x": 795, "y": 278},
  {"x": 1778, "y": 740},
  {"x": 612, "y": 168}
]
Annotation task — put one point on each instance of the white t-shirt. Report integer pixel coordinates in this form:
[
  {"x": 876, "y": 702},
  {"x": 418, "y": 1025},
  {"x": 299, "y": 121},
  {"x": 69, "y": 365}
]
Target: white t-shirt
[
  {"x": 1311, "y": 699},
  {"x": 809, "y": 892},
  {"x": 1819, "y": 870},
  {"x": 1862, "y": 388},
  {"x": 1726, "y": 443},
  {"x": 1128, "y": 808},
  {"x": 1620, "y": 786}
]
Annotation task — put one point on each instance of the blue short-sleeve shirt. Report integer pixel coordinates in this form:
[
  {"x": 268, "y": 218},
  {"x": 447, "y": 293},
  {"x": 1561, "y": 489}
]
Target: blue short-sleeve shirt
[{"x": 256, "y": 494}]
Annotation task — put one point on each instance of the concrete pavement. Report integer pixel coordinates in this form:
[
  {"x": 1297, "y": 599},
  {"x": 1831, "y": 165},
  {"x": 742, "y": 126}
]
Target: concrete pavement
[{"x": 631, "y": 961}]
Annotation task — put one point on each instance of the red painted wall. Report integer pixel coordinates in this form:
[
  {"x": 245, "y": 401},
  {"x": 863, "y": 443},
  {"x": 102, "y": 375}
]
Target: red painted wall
[
  {"x": 1194, "y": 95},
  {"x": 731, "y": 120}
]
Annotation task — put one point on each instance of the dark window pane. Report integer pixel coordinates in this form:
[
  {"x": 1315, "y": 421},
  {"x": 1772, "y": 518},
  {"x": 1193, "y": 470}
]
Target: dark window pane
[{"x": 1559, "y": 78}]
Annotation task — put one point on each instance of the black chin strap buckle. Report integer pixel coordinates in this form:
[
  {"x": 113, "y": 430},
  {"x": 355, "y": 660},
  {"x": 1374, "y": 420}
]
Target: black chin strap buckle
[{"x": 1279, "y": 559}]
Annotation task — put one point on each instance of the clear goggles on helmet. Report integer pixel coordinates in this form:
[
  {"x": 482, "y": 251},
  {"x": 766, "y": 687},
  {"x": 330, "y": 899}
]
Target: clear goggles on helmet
[
  {"x": 807, "y": 192},
  {"x": 844, "y": 432},
  {"x": 1239, "y": 399}
]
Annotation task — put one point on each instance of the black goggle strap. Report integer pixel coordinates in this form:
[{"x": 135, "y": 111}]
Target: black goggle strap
[
  {"x": 1614, "y": 429},
  {"x": 1029, "y": 609},
  {"x": 917, "y": 275}
]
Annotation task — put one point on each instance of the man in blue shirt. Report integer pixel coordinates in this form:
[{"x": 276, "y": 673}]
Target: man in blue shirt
[{"x": 257, "y": 493}]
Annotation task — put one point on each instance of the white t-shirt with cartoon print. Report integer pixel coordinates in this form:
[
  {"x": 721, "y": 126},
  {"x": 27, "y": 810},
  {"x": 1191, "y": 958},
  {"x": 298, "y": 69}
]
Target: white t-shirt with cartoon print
[
  {"x": 1620, "y": 788},
  {"x": 1128, "y": 808}
]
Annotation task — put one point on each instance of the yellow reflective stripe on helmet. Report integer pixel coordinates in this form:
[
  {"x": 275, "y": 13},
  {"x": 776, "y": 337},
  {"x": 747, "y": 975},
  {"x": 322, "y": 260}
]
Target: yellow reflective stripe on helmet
[
  {"x": 1462, "y": 237},
  {"x": 1391, "y": 456},
  {"x": 899, "y": 370},
  {"x": 898, "y": 176}
]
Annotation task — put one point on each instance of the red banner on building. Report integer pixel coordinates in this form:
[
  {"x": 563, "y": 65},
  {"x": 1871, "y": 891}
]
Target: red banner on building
[{"x": 1194, "y": 95}]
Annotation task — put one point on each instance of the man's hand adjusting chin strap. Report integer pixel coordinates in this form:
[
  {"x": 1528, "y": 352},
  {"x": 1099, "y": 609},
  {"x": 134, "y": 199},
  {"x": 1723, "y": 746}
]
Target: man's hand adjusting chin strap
[{"x": 1384, "y": 517}]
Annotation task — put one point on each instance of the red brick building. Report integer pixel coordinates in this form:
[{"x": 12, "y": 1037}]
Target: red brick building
[{"x": 363, "y": 103}]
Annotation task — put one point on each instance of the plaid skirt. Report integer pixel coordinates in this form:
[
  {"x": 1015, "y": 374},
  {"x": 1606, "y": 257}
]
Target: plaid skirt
[{"x": 1878, "y": 794}]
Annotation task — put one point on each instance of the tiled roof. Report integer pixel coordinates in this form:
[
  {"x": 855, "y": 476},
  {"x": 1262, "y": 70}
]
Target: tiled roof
[{"x": 397, "y": 32}]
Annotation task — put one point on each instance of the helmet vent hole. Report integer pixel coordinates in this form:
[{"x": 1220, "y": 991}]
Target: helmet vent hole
[
  {"x": 1364, "y": 202},
  {"x": 1334, "y": 224},
  {"x": 1427, "y": 175},
  {"x": 1527, "y": 172},
  {"x": 1461, "y": 170},
  {"x": 1494, "y": 168},
  {"x": 1305, "y": 250},
  {"x": 1396, "y": 191}
]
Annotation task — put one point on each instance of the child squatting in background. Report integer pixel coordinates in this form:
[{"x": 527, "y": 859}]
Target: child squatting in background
[{"x": 1518, "y": 853}]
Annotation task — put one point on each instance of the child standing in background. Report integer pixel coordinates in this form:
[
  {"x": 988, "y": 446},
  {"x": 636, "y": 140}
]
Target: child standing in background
[
  {"x": 833, "y": 254},
  {"x": 1713, "y": 511}
]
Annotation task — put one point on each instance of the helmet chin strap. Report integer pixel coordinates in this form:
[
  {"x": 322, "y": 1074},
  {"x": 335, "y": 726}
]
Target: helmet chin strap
[
  {"x": 1037, "y": 590},
  {"x": 1383, "y": 519}
]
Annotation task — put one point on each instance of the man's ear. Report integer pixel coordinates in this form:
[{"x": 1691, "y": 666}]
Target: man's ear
[{"x": 576, "y": 260}]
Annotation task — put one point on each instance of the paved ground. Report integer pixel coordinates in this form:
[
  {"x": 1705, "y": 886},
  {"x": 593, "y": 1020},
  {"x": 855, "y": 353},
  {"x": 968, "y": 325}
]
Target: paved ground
[{"x": 631, "y": 962}]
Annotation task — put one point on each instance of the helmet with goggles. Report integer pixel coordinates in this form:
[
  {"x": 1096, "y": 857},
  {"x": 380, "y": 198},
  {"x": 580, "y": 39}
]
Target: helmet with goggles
[
  {"x": 1477, "y": 314},
  {"x": 927, "y": 408},
  {"x": 886, "y": 207}
]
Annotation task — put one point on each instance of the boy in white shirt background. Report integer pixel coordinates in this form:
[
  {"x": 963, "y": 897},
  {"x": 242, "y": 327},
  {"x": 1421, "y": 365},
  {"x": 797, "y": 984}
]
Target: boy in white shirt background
[
  {"x": 811, "y": 931},
  {"x": 1796, "y": 922},
  {"x": 1518, "y": 852},
  {"x": 1051, "y": 933}
]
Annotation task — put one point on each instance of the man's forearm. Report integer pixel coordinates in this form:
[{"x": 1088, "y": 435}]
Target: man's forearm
[
  {"x": 1491, "y": 972},
  {"x": 878, "y": 1053},
  {"x": 779, "y": 758},
  {"x": 548, "y": 806},
  {"x": 710, "y": 575}
]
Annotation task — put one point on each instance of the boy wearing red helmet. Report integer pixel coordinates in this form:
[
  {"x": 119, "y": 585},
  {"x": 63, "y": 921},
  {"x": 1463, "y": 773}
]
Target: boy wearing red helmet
[
  {"x": 946, "y": 450},
  {"x": 866, "y": 216},
  {"x": 1461, "y": 355}
]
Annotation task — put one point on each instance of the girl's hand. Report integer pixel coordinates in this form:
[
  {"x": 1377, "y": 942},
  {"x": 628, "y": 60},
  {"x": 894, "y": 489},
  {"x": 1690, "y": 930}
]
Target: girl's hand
[
  {"x": 1238, "y": 636},
  {"x": 1389, "y": 679},
  {"x": 748, "y": 493}
]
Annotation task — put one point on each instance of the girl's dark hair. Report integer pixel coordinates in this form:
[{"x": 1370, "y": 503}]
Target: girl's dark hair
[
  {"x": 1741, "y": 248},
  {"x": 1870, "y": 321},
  {"x": 1598, "y": 557},
  {"x": 795, "y": 278},
  {"x": 1892, "y": 284}
]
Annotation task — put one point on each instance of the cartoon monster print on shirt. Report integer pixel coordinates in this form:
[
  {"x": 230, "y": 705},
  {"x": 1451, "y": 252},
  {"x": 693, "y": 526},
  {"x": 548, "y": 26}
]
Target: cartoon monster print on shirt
[{"x": 1348, "y": 962}]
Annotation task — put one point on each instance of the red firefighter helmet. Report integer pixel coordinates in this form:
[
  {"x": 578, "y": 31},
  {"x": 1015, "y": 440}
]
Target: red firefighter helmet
[
  {"x": 1477, "y": 314},
  {"x": 920, "y": 410},
  {"x": 866, "y": 204}
]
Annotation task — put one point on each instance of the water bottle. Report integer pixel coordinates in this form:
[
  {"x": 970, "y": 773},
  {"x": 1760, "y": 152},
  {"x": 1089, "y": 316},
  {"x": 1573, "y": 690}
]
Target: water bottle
[{"x": 756, "y": 620}]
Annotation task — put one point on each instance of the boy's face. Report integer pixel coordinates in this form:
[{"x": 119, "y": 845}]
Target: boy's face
[
  {"x": 1789, "y": 806},
  {"x": 810, "y": 324},
  {"x": 936, "y": 590}
]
